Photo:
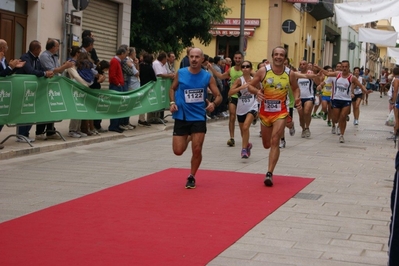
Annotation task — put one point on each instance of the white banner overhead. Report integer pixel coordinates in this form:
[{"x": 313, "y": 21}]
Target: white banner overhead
[
  {"x": 379, "y": 37},
  {"x": 394, "y": 53},
  {"x": 354, "y": 13}
]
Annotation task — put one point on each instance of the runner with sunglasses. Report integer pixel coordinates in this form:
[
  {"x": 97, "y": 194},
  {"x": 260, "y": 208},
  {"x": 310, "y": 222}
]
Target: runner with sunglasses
[{"x": 247, "y": 106}]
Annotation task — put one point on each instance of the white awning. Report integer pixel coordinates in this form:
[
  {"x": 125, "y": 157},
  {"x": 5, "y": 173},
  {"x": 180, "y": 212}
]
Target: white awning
[
  {"x": 379, "y": 37},
  {"x": 354, "y": 13}
]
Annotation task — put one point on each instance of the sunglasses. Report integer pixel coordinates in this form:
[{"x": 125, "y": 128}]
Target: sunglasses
[{"x": 245, "y": 66}]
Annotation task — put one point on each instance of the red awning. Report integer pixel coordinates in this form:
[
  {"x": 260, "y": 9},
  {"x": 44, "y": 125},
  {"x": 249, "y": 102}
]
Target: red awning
[{"x": 223, "y": 30}]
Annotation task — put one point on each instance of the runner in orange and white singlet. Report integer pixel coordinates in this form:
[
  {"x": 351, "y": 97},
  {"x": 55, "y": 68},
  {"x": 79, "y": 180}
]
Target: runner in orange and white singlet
[{"x": 276, "y": 80}]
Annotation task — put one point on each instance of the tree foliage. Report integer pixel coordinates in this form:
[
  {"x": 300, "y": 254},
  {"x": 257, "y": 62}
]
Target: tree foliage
[{"x": 171, "y": 25}]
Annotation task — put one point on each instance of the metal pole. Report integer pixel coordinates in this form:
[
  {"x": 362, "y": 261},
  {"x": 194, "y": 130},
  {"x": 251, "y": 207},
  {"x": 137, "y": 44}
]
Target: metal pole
[{"x": 242, "y": 23}]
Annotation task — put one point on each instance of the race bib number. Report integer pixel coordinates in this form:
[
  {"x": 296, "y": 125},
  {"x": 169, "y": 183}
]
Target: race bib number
[
  {"x": 194, "y": 95},
  {"x": 272, "y": 105},
  {"x": 246, "y": 99}
]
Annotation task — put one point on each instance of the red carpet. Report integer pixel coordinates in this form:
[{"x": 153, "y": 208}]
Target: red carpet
[{"x": 152, "y": 220}]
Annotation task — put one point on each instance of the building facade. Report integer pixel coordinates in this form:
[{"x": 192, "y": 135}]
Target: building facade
[
  {"x": 295, "y": 26},
  {"x": 25, "y": 20}
]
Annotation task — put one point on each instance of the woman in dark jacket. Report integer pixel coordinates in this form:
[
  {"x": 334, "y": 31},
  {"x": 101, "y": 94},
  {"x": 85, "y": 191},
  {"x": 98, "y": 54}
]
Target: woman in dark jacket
[{"x": 147, "y": 74}]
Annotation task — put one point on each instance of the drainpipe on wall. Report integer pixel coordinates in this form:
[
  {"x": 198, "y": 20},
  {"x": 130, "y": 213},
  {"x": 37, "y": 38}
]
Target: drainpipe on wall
[{"x": 64, "y": 34}]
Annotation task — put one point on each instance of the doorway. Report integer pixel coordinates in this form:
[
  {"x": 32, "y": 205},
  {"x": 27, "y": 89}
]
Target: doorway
[
  {"x": 13, "y": 31},
  {"x": 227, "y": 46}
]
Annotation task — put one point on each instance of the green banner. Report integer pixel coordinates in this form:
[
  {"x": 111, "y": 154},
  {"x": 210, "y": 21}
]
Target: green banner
[{"x": 28, "y": 99}]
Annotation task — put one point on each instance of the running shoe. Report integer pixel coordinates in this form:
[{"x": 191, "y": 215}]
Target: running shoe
[
  {"x": 268, "y": 180},
  {"x": 320, "y": 115},
  {"x": 338, "y": 131},
  {"x": 347, "y": 118},
  {"x": 329, "y": 123},
  {"x": 315, "y": 115},
  {"x": 282, "y": 143},
  {"x": 341, "y": 139},
  {"x": 244, "y": 154},
  {"x": 333, "y": 130},
  {"x": 307, "y": 133},
  {"x": 303, "y": 135},
  {"x": 355, "y": 122},
  {"x": 231, "y": 143},
  {"x": 190, "y": 182},
  {"x": 292, "y": 130},
  {"x": 249, "y": 147},
  {"x": 324, "y": 116}
]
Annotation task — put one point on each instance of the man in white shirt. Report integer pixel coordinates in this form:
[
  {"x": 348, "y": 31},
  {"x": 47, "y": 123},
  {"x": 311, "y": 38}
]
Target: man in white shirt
[
  {"x": 159, "y": 67},
  {"x": 161, "y": 71}
]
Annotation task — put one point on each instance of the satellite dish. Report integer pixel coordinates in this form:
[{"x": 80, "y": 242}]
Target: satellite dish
[
  {"x": 83, "y": 4},
  {"x": 352, "y": 45}
]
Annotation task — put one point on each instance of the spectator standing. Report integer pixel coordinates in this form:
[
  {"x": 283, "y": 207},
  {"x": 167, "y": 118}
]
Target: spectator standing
[
  {"x": 135, "y": 81},
  {"x": 147, "y": 74},
  {"x": 116, "y": 83},
  {"x": 127, "y": 70},
  {"x": 84, "y": 60},
  {"x": 7, "y": 68},
  {"x": 98, "y": 79},
  {"x": 49, "y": 61},
  {"x": 170, "y": 62},
  {"x": 161, "y": 71},
  {"x": 75, "y": 124},
  {"x": 185, "y": 62},
  {"x": 32, "y": 66}
]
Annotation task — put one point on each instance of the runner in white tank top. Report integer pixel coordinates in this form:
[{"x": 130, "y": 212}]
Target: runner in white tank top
[
  {"x": 247, "y": 106},
  {"x": 342, "y": 94}
]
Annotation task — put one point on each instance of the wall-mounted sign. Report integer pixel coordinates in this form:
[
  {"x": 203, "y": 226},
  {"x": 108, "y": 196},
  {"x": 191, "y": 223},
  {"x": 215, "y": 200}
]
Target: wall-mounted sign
[
  {"x": 289, "y": 26},
  {"x": 236, "y": 21},
  {"x": 304, "y": 1}
]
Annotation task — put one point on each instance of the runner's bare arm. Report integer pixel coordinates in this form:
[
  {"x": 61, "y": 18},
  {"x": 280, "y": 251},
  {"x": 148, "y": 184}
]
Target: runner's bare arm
[
  {"x": 225, "y": 75},
  {"x": 215, "y": 92},
  {"x": 236, "y": 87},
  {"x": 295, "y": 90},
  {"x": 173, "y": 88},
  {"x": 254, "y": 84}
]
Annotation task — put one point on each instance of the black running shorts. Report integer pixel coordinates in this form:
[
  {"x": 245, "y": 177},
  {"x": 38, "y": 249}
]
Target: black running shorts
[{"x": 182, "y": 127}]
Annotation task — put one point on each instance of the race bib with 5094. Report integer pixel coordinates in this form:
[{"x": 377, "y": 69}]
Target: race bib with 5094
[
  {"x": 194, "y": 95},
  {"x": 272, "y": 105}
]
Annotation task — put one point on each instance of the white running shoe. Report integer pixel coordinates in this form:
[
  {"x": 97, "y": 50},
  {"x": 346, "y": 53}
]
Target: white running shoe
[
  {"x": 307, "y": 133},
  {"x": 341, "y": 139},
  {"x": 292, "y": 130},
  {"x": 282, "y": 143},
  {"x": 333, "y": 130}
]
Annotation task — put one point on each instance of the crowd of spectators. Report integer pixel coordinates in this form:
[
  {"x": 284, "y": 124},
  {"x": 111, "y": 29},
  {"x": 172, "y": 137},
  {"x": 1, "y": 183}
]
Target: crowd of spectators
[{"x": 125, "y": 72}]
